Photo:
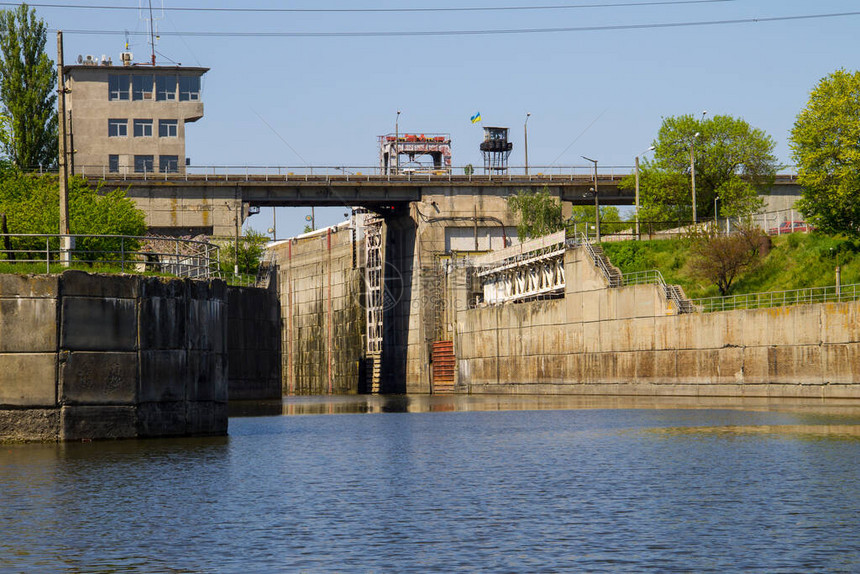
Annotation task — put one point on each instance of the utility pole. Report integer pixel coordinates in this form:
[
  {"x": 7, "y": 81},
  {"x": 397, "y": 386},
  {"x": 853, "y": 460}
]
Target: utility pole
[
  {"x": 396, "y": 145},
  {"x": 65, "y": 240},
  {"x": 693, "y": 173},
  {"x": 596, "y": 200},
  {"x": 638, "y": 235},
  {"x": 526, "y": 136},
  {"x": 236, "y": 219}
]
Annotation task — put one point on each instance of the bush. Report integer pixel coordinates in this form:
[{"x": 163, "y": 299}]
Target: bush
[
  {"x": 251, "y": 248},
  {"x": 31, "y": 204}
]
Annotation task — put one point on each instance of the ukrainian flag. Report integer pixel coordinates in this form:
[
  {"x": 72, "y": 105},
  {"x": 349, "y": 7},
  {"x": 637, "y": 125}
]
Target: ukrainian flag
[{"x": 476, "y": 118}]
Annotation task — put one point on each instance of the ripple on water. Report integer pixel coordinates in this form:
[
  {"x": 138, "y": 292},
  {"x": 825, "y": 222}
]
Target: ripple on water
[{"x": 489, "y": 484}]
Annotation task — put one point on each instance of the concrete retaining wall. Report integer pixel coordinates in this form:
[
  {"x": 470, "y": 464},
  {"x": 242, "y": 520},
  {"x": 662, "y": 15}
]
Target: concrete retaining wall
[
  {"x": 320, "y": 288},
  {"x": 103, "y": 356},
  {"x": 253, "y": 343},
  {"x": 627, "y": 341}
]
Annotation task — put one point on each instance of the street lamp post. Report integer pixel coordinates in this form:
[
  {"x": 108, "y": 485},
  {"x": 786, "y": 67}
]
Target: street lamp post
[
  {"x": 693, "y": 173},
  {"x": 716, "y": 199},
  {"x": 397, "y": 144},
  {"x": 526, "y": 138},
  {"x": 638, "y": 236},
  {"x": 596, "y": 200}
]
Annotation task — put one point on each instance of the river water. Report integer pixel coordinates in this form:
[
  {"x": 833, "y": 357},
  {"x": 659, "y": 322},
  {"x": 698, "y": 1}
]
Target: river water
[{"x": 463, "y": 484}]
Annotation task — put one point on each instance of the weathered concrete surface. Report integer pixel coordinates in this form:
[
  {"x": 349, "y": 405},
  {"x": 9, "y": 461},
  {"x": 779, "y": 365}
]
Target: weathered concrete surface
[
  {"x": 254, "y": 344},
  {"x": 320, "y": 287},
  {"x": 93, "y": 357},
  {"x": 627, "y": 341}
]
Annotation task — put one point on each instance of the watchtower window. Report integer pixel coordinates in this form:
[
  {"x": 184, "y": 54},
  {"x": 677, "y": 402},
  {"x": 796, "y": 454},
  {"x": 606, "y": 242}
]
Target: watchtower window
[
  {"x": 143, "y": 163},
  {"x": 118, "y": 87},
  {"x": 143, "y": 128},
  {"x": 165, "y": 88},
  {"x": 168, "y": 128},
  {"x": 189, "y": 88},
  {"x": 117, "y": 128},
  {"x": 168, "y": 163},
  {"x": 141, "y": 87}
]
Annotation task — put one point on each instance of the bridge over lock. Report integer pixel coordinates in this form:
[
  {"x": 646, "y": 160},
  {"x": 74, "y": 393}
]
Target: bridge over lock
[{"x": 214, "y": 200}]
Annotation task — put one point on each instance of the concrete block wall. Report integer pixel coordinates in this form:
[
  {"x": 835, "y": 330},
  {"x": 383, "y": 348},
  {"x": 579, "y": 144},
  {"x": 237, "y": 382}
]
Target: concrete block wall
[
  {"x": 627, "y": 341},
  {"x": 106, "y": 356},
  {"x": 320, "y": 288},
  {"x": 254, "y": 343}
]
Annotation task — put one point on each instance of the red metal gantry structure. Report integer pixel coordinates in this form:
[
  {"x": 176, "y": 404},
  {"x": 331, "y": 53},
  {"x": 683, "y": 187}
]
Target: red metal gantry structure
[{"x": 414, "y": 146}]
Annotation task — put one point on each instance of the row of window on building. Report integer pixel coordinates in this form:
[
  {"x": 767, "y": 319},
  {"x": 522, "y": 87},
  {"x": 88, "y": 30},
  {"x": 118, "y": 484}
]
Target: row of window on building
[
  {"x": 146, "y": 163},
  {"x": 148, "y": 87},
  {"x": 118, "y": 127}
]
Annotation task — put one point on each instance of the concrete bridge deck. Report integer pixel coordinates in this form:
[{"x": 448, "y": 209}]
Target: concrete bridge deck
[
  {"x": 360, "y": 190},
  {"x": 209, "y": 203}
]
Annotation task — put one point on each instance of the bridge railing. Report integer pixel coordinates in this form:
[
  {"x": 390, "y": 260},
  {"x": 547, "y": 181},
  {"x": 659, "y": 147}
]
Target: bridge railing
[
  {"x": 355, "y": 173},
  {"x": 125, "y": 253}
]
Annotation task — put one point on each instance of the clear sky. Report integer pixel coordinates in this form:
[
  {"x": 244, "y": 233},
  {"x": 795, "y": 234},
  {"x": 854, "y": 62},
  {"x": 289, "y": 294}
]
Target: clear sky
[{"x": 600, "y": 93}]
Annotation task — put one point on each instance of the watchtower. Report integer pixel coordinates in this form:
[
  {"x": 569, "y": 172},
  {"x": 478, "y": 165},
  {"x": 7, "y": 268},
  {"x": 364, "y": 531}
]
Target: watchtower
[{"x": 496, "y": 150}]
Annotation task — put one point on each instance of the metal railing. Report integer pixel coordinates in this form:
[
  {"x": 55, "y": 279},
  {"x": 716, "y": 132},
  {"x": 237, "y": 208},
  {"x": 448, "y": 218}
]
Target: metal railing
[
  {"x": 597, "y": 257},
  {"x": 357, "y": 173},
  {"x": 234, "y": 171},
  {"x": 172, "y": 256},
  {"x": 831, "y": 294}
]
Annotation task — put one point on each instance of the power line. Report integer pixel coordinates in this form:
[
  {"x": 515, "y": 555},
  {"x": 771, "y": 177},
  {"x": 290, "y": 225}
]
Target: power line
[
  {"x": 376, "y": 34},
  {"x": 381, "y": 10}
]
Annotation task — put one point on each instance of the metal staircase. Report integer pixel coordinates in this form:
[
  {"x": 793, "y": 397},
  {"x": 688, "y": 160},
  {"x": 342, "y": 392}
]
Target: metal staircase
[
  {"x": 613, "y": 274},
  {"x": 444, "y": 364},
  {"x": 374, "y": 282},
  {"x": 673, "y": 293}
]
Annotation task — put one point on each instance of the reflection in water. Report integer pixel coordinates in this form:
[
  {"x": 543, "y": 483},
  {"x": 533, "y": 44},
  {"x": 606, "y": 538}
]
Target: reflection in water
[
  {"x": 362, "y": 404},
  {"x": 501, "y": 484},
  {"x": 809, "y": 431}
]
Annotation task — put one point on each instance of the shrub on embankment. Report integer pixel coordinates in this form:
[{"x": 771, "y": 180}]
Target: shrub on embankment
[
  {"x": 795, "y": 261},
  {"x": 30, "y": 204}
]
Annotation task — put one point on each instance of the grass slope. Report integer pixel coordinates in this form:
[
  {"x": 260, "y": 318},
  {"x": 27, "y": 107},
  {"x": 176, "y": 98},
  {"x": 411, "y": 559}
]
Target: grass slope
[{"x": 795, "y": 261}]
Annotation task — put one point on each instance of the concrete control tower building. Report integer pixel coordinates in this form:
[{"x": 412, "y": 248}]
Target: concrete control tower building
[{"x": 130, "y": 118}]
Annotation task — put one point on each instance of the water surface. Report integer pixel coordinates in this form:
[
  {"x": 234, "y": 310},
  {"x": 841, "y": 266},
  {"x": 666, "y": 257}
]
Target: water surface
[{"x": 394, "y": 484}]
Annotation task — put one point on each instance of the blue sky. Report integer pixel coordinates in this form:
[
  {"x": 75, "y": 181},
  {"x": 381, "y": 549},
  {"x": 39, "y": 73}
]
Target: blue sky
[{"x": 601, "y": 93}]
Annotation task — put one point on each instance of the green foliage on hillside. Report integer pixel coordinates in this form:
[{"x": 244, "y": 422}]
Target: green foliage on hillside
[
  {"x": 31, "y": 205},
  {"x": 795, "y": 261}
]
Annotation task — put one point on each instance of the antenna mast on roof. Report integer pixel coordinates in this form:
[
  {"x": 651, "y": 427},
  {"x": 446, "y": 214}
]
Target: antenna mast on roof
[{"x": 153, "y": 32}]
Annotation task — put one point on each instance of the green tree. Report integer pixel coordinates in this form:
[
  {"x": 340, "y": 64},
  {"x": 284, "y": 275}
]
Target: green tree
[
  {"x": 28, "y": 83},
  {"x": 582, "y": 219},
  {"x": 539, "y": 213},
  {"x": 721, "y": 258},
  {"x": 733, "y": 161},
  {"x": 251, "y": 248},
  {"x": 824, "y": 144},
  {"x": 31, "y": 205}
]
